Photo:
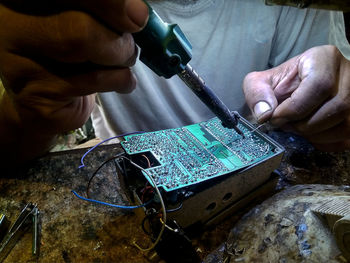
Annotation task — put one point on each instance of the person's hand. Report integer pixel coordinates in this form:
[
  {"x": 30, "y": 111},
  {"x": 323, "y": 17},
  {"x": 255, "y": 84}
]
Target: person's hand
[
  {"x": 309, "y": 95},
  {"x": 55, "y": 53}
]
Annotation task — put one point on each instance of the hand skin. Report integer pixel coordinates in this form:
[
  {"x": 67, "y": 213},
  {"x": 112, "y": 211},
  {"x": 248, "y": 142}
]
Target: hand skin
[
  {"x": 53, "y": 61},
  {"x": 308, "y": 94}
]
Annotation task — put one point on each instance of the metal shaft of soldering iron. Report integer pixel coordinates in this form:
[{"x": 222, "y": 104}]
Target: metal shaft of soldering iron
[{"x": 208, "y": 97}]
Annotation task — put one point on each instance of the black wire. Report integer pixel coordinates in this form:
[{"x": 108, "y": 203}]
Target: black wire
[{"x": 99, "y": 168}]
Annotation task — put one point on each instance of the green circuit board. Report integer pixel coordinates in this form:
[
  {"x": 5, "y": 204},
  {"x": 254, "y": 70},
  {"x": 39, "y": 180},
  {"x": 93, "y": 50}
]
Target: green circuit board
[{"x": 199, "y": 152}]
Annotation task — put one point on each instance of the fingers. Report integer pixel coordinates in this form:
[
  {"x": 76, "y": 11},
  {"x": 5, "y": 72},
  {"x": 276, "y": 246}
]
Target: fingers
[
  {"x": 318, "y": 74},
  {"x": 335, "y": 134},
  {"x": 70, "y": 36},
  {"x": 263, "y": 90},
  {"x": 45, "y": 100},
  {"x": 260, "y": 98},
  {"x": 302, "y": 102},
  {"x": 132, "y": 14},
  {"x": 119, "y": 80},
  {"x": 330, "y": 114},
  {"x": 121, "y": 15},
  {"x": 322, "y": 101},
  {"x": 56, "y": 87},
  {"x": 54, "y": 53}
]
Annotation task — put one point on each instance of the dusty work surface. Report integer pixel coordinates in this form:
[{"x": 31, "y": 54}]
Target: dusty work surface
[
  {"x": 77, "y": 231},
  {"x": 284, "y": 229}
]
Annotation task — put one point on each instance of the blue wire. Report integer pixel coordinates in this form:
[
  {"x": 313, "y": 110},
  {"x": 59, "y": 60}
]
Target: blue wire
[
  {"x": 92, "y": 148},
  {"x": 109, "y": 204},
  {"x": 175, "y": 209}
]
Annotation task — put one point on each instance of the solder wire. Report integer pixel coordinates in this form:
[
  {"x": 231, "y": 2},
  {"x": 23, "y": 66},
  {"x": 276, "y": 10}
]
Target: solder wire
[
  {"x": 258, "y": 127},
  {"x": 161, "y": 202}
]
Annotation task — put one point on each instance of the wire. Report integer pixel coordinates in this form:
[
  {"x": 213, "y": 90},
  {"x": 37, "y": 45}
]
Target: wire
[
  {"x": 127, "y": 207},
  {"x": 114, "y": 137},
  {"x": 109, "y": 204},
  {"x": 258, "y": 127},
  {"x": 168, "y": 227},
  {"x": 162, "y": 204},
  {"x": 96, "y": 171},
  {"x": 148, "y": 161},
  {"x": 175, "y": 209}
]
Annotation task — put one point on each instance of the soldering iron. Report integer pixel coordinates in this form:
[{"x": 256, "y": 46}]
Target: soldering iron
[{"x": 166, "y": 50}]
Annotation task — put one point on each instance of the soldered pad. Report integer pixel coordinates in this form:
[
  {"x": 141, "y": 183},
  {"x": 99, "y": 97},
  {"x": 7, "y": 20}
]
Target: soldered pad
[{"x": 198, "y": 152}]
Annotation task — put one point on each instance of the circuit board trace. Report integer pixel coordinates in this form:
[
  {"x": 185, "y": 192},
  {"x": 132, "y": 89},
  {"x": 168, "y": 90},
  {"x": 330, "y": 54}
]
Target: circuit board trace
[{"x": 198, "y": 152}]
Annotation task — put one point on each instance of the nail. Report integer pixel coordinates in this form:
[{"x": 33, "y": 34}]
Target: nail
[
  {"x": 137, "y": 11},
  {"x": 261, "y": 108}
]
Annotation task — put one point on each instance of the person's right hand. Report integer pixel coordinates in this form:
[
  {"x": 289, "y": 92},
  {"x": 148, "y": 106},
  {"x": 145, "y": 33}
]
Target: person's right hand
[
  {"x": 55, "y": 54},
  {"x": 308, "y": 95}
]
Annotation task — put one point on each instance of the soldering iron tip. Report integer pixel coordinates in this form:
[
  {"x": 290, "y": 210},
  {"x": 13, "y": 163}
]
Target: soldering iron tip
[{"x": 239, "y": 132}]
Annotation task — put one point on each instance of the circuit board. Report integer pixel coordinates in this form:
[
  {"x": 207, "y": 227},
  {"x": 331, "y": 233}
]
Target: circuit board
[{"x": 199, "y": 152}]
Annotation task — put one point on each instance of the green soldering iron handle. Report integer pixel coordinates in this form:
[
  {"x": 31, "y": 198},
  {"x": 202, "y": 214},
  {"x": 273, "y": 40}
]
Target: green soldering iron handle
[{"x": 164, "y": 47}]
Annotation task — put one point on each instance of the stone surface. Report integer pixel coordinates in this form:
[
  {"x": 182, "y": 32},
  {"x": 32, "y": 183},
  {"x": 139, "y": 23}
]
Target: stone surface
[
  {"x": 262, "y": 235},
  {"x": 73, "y": 230}
]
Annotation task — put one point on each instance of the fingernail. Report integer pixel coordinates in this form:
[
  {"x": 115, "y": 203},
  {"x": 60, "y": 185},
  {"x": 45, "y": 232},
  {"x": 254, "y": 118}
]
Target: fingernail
[
  {"x": 261, "y": 108},
  {"x": 137, "y": 11}
]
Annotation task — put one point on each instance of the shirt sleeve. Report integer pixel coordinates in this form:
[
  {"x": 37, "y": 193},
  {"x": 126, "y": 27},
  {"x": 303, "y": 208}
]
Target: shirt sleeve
[{"x": 301, "y": 29}]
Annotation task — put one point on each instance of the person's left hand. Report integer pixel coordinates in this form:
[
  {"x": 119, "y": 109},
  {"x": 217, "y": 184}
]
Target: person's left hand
[{"x": 309, "y": 95}]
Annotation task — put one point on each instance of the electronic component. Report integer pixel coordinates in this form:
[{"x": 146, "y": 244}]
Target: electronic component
[
  {"x": 198, "y": 152},
  {"x": 204, "y": 170}
]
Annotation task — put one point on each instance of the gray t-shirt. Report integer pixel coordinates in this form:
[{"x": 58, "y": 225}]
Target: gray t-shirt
[{"x": 230, "y": 38}]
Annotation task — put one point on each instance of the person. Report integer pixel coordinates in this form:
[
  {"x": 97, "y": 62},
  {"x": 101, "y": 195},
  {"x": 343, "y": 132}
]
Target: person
[{"x": 53, "y": 60}]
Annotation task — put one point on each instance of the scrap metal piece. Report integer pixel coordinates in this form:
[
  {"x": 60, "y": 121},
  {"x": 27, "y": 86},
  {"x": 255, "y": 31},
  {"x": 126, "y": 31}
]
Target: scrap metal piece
[
  {"x": 35, "y": 244},
  {"x": 339, "y": 207},
  {"x": 20, "y": 226},
  {"x": 337, "y": 213},
  {"x": 4, "y": 226}
]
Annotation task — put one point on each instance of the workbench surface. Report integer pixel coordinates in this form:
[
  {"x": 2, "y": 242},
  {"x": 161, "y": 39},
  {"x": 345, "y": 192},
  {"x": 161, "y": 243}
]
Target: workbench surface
[{"x": 78, "y": 231}]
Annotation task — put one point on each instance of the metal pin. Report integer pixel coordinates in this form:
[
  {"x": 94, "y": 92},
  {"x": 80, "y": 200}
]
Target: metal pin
[{"x": 35, "y": 244}]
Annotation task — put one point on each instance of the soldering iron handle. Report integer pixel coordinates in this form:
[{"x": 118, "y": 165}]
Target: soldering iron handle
[
  {"x": 209, "y": 98},
  {"x": 164, "y": 47}
]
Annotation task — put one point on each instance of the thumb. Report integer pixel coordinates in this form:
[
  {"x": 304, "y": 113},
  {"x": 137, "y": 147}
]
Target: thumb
[{"x": 259, "y": 94}]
